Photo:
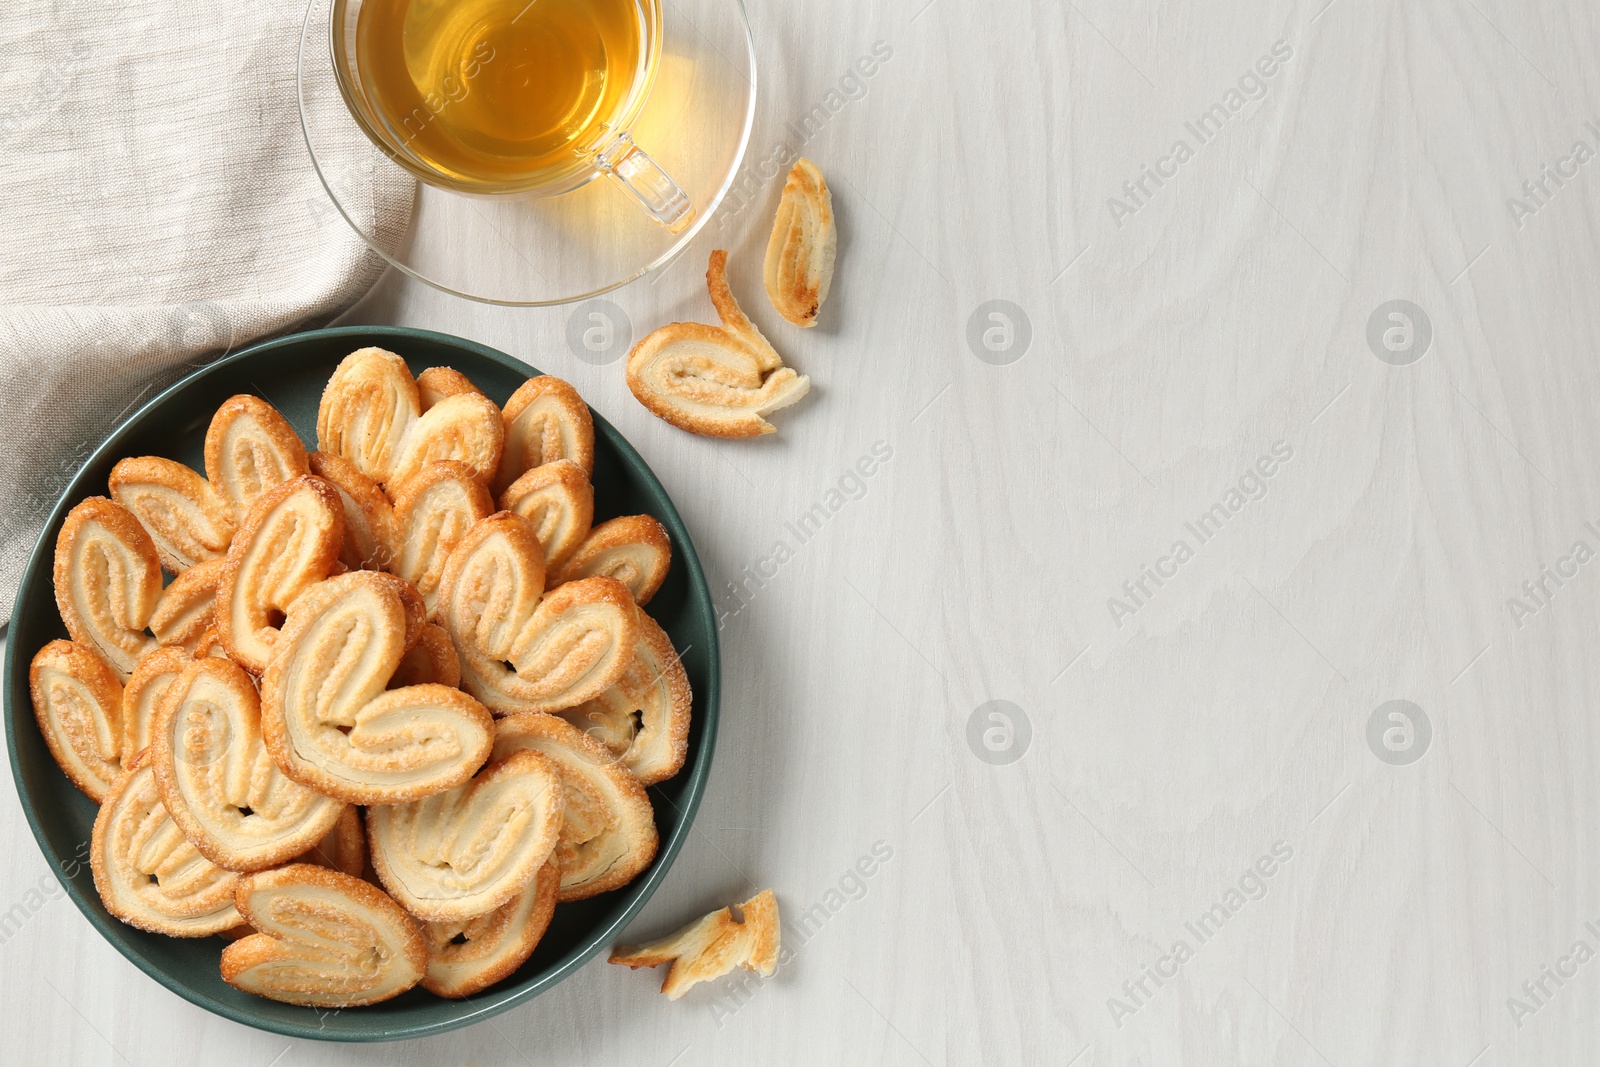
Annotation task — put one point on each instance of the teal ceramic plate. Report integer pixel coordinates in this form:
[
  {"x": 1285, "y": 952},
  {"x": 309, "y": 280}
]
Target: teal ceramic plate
[{"x": 290, "y": 373}]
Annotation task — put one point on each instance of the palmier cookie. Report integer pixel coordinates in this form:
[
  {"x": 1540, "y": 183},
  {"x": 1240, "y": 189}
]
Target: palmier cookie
[
  {"x": 326, "y": 716},
  {"x": 326, "y": 940},
  {"x": 470, "y": 955},
  {"x": 289, "y": 541},
  {"x": 562, "y": 648},
  {"x": 107, "y": 582},
  {"x": 149, "y": 875},
  {"x": 465, "y": 852},
  {"x": 185, "y": 613},
  {"x": 433, "y": 510},
  {"x": 185, "y": 518},
  {"x": 78, "y": 702},
  {"x": 719, "y": 381},
  {"x": 368, "y": 513},
  {"x": 643, "y": 720},
  {"x": 217, "y": 780},
  {"x": 142, "y": 696},
  {"x": 545, "y": 420},
  {"x": 633, "y": 549},
  {"x": 558, "y": 499},
  {"x": 608, "y": 830},
  {"x": 249, "y": 449},
  {"x": 440, "y": 383},
  {"x": 371, "y": 414}
]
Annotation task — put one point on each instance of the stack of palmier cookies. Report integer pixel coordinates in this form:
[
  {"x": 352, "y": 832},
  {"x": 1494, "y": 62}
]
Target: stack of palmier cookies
[{"x": 398, "y": 700}]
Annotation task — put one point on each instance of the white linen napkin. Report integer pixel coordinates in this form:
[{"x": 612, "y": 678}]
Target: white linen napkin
[{"x": 157, "y": 208}]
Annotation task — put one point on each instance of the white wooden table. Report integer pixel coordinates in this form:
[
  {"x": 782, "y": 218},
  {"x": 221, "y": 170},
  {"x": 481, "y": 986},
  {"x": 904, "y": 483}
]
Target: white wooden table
[{"x": 1197, "y": 832}]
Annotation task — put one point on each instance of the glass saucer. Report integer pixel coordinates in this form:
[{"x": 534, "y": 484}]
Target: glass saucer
[{"x": 576, "y": 245}]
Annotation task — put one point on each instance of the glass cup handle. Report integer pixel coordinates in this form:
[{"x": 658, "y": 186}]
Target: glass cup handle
[{"x": 642, "y": 177}]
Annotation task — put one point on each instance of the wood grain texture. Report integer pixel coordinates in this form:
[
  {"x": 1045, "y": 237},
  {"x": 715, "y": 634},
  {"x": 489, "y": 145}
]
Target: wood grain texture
[{"x": 1171, "y": 349}]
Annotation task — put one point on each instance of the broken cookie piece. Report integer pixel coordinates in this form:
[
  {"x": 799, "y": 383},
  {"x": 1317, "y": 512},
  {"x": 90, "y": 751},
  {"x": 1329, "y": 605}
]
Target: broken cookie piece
[
  {"x": 713, "y": 946},
  {"x": 716, "y": 381},
  {"x": 799, "y": 264}
]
